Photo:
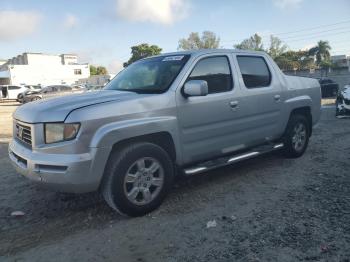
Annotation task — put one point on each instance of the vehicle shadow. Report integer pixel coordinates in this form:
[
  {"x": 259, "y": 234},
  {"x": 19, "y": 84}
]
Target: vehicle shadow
[{"x": 7, "y": 103}]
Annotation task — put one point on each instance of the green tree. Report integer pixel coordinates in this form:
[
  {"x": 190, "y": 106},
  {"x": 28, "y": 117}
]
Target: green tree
[
  {"x": 101, "y": 70},
  {"x": 321, "y": 51},
  {"x": 93, "y": 70},
  {"x": 252, "y": 43},
  {"x": 277, "y": 47},
  {"x": 98, "y": 70},
  {"x": 208, "y": 40},
  {"x": 295, "y": 60},
  {"x": 142, "y": 51}
]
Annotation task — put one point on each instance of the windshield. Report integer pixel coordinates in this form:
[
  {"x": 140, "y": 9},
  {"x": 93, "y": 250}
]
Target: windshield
[{"x": 152, "y": 75}]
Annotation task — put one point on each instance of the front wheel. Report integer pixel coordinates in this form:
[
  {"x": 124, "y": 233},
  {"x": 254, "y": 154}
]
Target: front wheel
[
  {"x": 337, "y": 111},
  {"x": 35, "y": 98},
  {"x": 137, "y": 178},
  {"x": 296, "y": 137}
]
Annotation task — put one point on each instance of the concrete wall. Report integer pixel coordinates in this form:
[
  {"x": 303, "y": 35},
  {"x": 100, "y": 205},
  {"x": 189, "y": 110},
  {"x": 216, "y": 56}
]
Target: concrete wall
[{"x": 340, "y": 75}]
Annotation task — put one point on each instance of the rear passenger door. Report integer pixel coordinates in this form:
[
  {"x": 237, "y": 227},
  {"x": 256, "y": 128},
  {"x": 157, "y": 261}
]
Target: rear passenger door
[{"x": 261, "y": 101}]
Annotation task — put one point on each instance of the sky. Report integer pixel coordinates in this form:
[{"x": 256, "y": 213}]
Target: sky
[{"x": 102, "y": 32}]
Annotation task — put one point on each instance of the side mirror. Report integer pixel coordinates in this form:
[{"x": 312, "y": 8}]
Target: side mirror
[{"x": 196, "y": 88}]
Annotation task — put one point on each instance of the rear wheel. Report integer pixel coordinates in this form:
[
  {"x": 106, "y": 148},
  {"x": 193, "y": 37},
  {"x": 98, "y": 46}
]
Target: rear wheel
[
  {"x": 296, "y": 137},
  {"x": 19, "y": 97},
  {"x": 137, "y": 178}
]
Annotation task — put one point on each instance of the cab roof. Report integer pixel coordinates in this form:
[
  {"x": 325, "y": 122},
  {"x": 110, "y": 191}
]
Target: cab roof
[{"x": 210, "y": 51}]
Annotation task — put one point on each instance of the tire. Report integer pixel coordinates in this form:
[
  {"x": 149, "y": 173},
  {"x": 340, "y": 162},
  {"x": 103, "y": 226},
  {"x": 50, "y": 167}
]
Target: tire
[
  {"x": 126, "y": 179},
  {"x": 19, "y": 97},
  {"x": 35, "y": 98},
  {"x": 296, "y": 137},
  {"x": 337, "y": 111}
]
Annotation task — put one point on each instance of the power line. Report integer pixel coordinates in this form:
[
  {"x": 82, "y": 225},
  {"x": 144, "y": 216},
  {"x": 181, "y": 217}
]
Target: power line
[
  {"x": 266, "y": 36},
  {"x": 314, "y": 37},
  {"x": 316, "y": 33},
  {"x": 312, "y": 28}
]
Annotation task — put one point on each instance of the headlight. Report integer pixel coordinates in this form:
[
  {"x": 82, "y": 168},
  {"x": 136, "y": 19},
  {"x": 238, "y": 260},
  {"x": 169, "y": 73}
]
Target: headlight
[{"x": 57, "y": 132}]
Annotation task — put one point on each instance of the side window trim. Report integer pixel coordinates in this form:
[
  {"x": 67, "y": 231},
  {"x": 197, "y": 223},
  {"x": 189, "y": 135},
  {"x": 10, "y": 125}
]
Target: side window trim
[
  {"x": 267, "y": 66},
  {"x": 213, "y": 56},
  {"x": 13, "y": 87}
]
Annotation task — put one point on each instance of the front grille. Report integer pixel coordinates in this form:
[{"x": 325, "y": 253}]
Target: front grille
[
  {"x": 24, "y": 133},
  {"x": 347, "y": 101}
]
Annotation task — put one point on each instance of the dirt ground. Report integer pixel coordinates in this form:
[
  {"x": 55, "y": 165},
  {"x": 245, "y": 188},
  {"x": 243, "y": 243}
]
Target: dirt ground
[{"x": 266, "y": 209}]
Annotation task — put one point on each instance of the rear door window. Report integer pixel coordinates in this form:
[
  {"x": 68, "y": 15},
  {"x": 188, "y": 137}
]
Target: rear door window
[{"x": 254, "y": 70}]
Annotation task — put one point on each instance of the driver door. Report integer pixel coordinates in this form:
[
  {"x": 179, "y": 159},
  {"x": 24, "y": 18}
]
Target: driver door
[{"x": 207, "y": 123}]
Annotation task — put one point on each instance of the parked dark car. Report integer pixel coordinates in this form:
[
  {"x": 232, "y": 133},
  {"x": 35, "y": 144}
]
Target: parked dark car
[
  {"x": 343, "y": 102},
  {"x": 94, "y": 88},
  {"x": 329, "y": 88},
  {"x": 50, "y": 91},
  {"x": 31, "y": 89}
]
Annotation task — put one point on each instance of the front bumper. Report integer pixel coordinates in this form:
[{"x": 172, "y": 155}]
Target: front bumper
[
  {"x": 343, "y": 109},
  {"x": 62, "y": 172}
]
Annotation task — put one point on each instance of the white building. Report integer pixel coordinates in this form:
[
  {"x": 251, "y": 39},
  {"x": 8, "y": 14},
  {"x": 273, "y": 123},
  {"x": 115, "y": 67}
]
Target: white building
[
  {"x": 341, "y": 60},
  {"x": 44, "y": 69}
]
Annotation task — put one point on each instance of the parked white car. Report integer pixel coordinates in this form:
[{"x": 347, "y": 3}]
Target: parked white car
[
  {"x": 342, "y": 102},
  {"x": 11, "y": 91},
  {"x": 50, "y": 91}
]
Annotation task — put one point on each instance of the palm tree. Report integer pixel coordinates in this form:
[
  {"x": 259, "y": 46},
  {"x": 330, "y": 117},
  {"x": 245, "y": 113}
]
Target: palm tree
[{"x": 321, "y": 51}]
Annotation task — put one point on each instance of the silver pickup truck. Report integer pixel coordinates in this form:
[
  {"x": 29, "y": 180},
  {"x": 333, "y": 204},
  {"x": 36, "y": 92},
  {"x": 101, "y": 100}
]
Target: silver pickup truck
[{"x": 176, "y": 113}]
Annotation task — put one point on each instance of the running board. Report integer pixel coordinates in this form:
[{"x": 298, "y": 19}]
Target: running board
[{"x": 227, "y": 160}]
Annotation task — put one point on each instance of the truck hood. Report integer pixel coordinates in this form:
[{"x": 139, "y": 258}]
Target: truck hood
[{"x": 57, "y": 109}]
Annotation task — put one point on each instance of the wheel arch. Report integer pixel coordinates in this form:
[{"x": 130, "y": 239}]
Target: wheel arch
[
  {"x": 162, "y": 139},
  {"x": 304, "y": 111}
]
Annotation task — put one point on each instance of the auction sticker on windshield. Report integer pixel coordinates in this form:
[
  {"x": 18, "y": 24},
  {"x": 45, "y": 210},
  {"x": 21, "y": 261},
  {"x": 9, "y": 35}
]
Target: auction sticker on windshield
[{"x": 173, "y": 58}]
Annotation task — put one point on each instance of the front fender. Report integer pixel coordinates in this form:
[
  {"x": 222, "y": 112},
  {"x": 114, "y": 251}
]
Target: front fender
[{"x": 109, "y": 134}]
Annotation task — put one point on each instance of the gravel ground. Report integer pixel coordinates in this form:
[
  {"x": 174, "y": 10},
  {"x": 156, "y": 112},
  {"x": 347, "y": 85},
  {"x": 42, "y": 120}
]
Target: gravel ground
[
  {"x": 6, "y": 110},
  {"x": 266, "y": 209}
]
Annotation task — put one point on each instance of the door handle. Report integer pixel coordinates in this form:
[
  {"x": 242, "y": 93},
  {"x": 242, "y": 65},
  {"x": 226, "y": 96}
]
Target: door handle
[
  {"x": 234, "y": 104},
  {"x": 277, "y": 98}
]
